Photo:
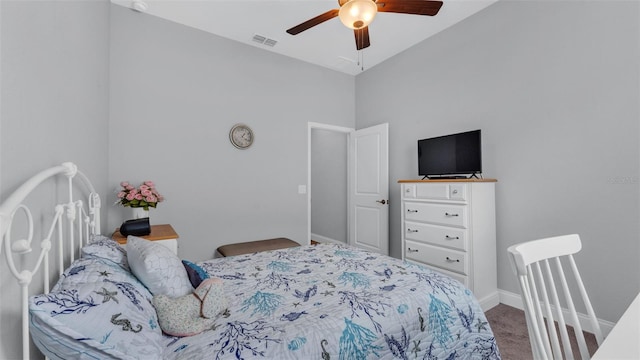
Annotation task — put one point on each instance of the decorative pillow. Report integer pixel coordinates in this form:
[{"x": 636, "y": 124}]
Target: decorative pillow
[
  {"x": 97, "y": 307},
  {"x": 104, "y": 247},
  {"x": 157, "y": 267},
  {"x": 196, "y": 273},
  {"x": 194, "y": 313}
]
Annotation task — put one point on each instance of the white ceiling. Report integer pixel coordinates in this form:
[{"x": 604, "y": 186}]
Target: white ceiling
[{"x": 329, "y": 44}]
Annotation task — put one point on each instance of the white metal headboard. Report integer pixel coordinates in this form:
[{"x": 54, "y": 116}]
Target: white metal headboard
[{"x": 72, "y": 226}]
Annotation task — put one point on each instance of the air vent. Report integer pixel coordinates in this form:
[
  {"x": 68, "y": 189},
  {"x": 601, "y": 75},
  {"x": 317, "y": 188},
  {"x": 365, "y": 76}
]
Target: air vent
[
  {"x": 264, "y": 40},
  {"x": 259, "y": 38}
]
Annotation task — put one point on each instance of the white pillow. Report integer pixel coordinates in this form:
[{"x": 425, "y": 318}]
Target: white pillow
[{"x": 157, "y": 267}]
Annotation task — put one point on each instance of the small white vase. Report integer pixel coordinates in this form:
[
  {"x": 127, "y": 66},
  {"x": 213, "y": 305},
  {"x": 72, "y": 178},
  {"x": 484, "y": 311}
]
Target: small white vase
[{"x": 139, "y": 213}]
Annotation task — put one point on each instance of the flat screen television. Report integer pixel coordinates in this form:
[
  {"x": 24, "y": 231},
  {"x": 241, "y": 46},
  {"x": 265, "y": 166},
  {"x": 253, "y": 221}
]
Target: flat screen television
[{"x": 450, "y": 156}]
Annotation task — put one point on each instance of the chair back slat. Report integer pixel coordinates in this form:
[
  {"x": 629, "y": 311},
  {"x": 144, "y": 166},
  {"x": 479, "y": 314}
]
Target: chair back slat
[
  {"x": 535, "y": 305},
  {"x": 548, "y": 298},
  {"x": 535, "y": 336},
  {"x": 573, "y": 315},
  {"x": 548, "y": 314},
  {"x": 587, "y": 303}
]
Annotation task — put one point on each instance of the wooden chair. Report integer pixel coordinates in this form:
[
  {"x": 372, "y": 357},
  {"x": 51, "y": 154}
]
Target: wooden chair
[{"x": 532, "y": 262}]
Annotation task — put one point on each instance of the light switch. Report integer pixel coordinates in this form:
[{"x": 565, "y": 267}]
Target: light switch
[{"x": 302, "y": 189}]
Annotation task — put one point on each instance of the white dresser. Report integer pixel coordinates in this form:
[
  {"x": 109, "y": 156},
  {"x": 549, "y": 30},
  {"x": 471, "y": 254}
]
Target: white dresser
[{"x": 450, "y": 226}]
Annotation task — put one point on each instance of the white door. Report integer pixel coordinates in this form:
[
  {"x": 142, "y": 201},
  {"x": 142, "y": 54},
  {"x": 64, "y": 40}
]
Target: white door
[{"x": 369, "y": 188}]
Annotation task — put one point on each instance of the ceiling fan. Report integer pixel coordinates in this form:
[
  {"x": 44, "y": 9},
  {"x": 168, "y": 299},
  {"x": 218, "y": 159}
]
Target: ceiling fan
[{"x": 358, "y": 14}]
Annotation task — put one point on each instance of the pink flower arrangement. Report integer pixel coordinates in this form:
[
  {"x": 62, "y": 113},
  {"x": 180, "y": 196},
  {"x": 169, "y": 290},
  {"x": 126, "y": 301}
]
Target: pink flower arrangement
[{"x": 144, "y": 196}]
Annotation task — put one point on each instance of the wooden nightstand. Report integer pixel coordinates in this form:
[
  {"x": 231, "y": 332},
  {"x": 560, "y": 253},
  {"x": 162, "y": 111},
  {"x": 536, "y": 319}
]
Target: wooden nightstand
[{"x": 164, "y": 234}]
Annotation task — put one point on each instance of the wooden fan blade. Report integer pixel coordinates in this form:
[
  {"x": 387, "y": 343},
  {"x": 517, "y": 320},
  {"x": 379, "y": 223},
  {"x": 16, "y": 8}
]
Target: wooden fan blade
[
  {"x": 362, "y": 38},
  {"x": 313, "y": 22},
  {"x": 415, "y": 7}
]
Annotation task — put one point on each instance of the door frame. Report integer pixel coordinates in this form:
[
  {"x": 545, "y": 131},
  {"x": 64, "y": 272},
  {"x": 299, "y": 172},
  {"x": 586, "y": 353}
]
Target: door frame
[{"x": 340, "y": 129}]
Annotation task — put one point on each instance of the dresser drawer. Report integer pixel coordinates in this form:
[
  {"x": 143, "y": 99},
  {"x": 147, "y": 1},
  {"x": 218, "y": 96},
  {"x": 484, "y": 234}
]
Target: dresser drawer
[
  {"x": 435, "y": 191},
  {"x": 443, "y": 214},
  {"x": 437, "y": 235},
  {"x": 448, "y": 259},
  {"x": 432, "y": 191}
]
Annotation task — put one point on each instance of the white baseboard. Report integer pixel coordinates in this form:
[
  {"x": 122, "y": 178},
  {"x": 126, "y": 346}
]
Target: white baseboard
[
  {"x": 324, "y": 239},
  {"x": 511, "y": 299},
  {"x": 489, "y": 301},
  {"x": 515, "y": 300}
]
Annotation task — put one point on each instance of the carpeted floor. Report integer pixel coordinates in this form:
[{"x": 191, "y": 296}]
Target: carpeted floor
[{"x": 510, "y": 329}]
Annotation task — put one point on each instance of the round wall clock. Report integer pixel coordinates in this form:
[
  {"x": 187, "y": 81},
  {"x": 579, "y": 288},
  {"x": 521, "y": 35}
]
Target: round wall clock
[{"x": 241, "y": 136}]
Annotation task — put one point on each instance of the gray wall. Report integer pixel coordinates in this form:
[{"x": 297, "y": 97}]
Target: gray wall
[
  {"x": 54, "y": 108},
  {"x": 555, "y": 90},
  {"x": 175, "y": 94},
  {"x": 329, "y": 197},
  {"x": 555, "y": 93}
]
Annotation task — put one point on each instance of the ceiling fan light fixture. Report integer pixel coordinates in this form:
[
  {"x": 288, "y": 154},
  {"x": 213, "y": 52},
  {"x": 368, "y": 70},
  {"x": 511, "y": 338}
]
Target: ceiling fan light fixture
[{"x": 356, "y": 14}]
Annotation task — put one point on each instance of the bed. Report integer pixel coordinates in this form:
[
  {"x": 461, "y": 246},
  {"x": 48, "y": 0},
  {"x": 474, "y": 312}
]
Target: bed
[{"x": 323, "y": 301}]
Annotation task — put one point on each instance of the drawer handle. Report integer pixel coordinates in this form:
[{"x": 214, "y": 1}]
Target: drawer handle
[
  {"x": 412, "y": 250},
  {"x": 451, "y": 237},
  {"x": 412, "y": 231},
  {"x": 412, "y": 211},
  {"x": 452, "y": 260},
  {"x": 451, "y": 214}
]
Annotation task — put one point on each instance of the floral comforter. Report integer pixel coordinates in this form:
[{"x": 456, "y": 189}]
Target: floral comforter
[{"x": 338, "y": 302}]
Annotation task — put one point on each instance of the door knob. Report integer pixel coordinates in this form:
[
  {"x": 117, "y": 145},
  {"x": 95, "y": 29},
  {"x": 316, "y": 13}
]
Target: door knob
[{"x": 382, "y": 201}]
